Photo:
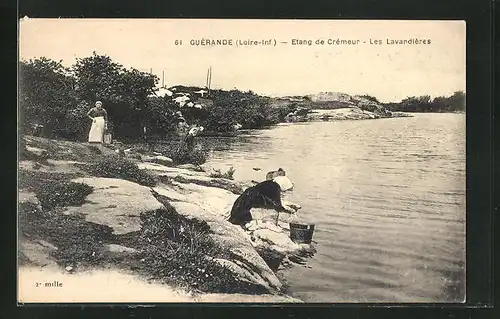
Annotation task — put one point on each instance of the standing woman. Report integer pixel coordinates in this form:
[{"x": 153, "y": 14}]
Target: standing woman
[{"x": 99, "y": 118}]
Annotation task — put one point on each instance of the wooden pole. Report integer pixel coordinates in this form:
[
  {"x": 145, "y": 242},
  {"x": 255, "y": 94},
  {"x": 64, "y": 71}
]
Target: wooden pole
[
  {"x": 206, "y": 83},
  {"x": 210, "y": 80},
  {"x": 162, "y": 79}
]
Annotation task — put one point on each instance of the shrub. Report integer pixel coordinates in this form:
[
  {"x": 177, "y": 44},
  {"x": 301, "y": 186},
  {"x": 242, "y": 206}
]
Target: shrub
[
  {"x": 196, "y": 157},
  {"x": 227, "y": 175},
  {"x": 53, "y": 189},
  {"x": 118, "y": 167},
  {"x": 59, "y": 194},
  {"x": 45, "y": 94},
  {"x": 34, "y": 180},
  {"x": 180, "y": 251}
]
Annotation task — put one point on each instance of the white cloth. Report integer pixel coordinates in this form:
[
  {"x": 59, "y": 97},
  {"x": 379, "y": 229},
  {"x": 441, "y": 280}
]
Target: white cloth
[
  {"x": 202, "y": 92},
  {"x": 181, "y": 100},
  {"x": 284, "y": 182},
  {"x": 161, "y": 93},
  {"x": 195, "y": 130},
  {"x": 96, "y": 133}
]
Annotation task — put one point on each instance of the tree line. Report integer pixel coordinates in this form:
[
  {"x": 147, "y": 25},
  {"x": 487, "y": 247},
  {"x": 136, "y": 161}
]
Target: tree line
[
  {"x": 440, "y": 104},
  {"x": 57, "y": 99}
]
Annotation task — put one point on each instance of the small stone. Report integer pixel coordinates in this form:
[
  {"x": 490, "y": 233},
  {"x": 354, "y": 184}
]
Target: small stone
[
  {"x": 120, "y": 249},
  {"x": 69, "y": 268},
  {"x": 159, "y": 159},
  {"x": 189, "y": 167}
]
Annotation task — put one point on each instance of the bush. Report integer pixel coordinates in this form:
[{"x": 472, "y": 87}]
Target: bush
[
  {"x": 76, "y": 124},
  {"x": 196, "y": 157},
  {"x": 53, "y": 189},
  {"x": 180, "y": 251},
  {"x": 34, "y": 180},
  {"x": 59, "y": 194},
  {"x": 227, "y": 175},
  {"x": 46, "y": 94},
  {"x": 118, "y": 167}
]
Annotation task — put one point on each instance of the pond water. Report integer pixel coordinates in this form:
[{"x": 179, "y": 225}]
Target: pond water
[{"x": 387, "y": 197}]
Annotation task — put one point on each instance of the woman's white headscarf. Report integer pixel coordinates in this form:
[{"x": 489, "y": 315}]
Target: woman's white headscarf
[
  {"x": 195, "y": 130},
  {"x": 284, "y": 182}
]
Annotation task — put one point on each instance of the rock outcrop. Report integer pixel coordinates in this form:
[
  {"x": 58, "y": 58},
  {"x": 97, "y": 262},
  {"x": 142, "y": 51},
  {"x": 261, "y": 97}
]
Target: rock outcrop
[
  {"x": 342, "y": 106},
  {"x": 254, "y": 254},
  {"x": 352, "y": 113},
  {"x": 116, "y": 203},
  {"x": 119, "y": 204}
]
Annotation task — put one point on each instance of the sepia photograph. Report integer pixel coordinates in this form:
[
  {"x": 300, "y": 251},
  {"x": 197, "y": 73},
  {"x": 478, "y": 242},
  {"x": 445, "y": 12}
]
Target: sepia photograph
[{"x": 241, "y": 161}]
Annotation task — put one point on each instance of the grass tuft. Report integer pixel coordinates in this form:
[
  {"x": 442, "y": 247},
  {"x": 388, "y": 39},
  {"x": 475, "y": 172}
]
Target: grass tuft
[
  {"x": 118, "y": 167},
  {"x": 217, "y": 173}
]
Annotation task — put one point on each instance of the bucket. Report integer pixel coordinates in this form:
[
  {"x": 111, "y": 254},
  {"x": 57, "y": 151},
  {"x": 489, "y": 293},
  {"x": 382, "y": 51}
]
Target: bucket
[
  {"x": 301, "y": 233},
  {"x": 108, "y": 138}
]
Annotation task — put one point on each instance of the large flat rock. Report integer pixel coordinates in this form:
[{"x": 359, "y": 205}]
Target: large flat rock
[
  {"x": 116, "y": 203},
  {"x": 168, "y": 170},
  {"x": 218, "y": 201},
  {"x": 189, "y": 176},
  {"x": 348, "y": 113},
  {"x": 280, "y": 239}
]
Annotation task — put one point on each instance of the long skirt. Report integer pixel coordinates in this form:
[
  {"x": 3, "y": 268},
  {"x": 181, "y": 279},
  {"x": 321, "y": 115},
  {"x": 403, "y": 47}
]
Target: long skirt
[{"x": 96, "y": 134}]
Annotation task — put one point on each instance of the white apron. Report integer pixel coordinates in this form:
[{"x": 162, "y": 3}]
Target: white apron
[{"x": 96, "y": 134}]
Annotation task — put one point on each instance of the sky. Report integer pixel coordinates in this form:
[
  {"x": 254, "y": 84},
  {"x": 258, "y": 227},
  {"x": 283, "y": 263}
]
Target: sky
[{"x": 390, "y": 72}]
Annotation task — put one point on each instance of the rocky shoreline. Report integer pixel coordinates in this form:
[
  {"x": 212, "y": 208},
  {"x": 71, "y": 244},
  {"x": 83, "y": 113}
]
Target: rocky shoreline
[
  {"x": 344, "y": 113},
  {"x": 352, "y": 113},
  {"x": 119, "y": 225}
]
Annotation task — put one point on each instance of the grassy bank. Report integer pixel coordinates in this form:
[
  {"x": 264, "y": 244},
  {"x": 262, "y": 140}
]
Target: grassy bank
[{"x": 168, "y": 248}]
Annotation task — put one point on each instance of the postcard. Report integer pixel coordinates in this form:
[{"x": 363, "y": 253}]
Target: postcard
[{"x": 241, "y": 161}]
